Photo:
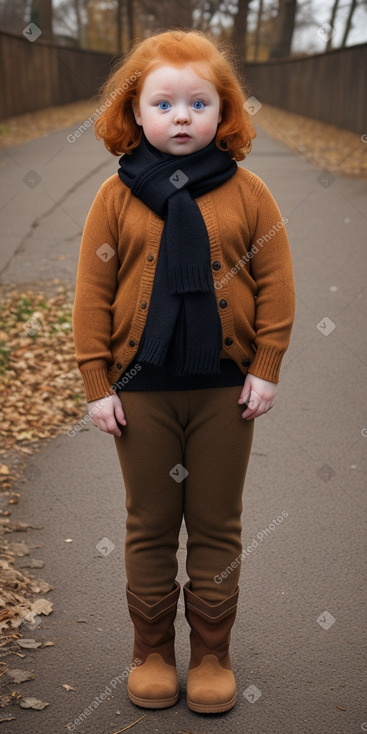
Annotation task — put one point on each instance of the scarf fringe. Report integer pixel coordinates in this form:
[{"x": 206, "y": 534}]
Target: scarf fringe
[
  {"x": 153, "y": 351},
  {"x": 190, "y": 278},
  {"x": 199, "y": 360}
]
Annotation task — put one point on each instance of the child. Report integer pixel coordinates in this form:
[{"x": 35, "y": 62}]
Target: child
[{"x": 184, "y": 309}]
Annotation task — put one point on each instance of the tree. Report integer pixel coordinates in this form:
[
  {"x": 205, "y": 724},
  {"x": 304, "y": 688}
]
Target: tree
[
  {"x": 348, "y": 24},
  {"x": 257, "y": 32},
  {"x": 41, "y": 15},
  {"x": 239, "y": 33},
  {"x": 331, "y": 23},
  {"x": 284, "y": 28}
]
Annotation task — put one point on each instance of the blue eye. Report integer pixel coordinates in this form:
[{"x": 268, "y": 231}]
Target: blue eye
[
  {"x": 198, "y": 104},
  {"x": 164, "y": 105}
]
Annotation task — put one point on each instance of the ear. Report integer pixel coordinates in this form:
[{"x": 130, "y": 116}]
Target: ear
[{"x": 136, "y": 110}]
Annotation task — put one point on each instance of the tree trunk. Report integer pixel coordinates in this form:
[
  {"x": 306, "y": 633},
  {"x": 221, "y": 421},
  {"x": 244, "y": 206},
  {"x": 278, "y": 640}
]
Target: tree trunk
[
  {"x": 284, "y": 27},
  {"x": 41, "y": 15},
  {"x": 348, "y": 26},
  {"x": 78, "y": 21},
  {"x": 239, "y": 33},
  {"x": 258, "y": 27},
  {"x": 130, "y": 20},
  {"x": 119, "y": 27},
  {"x": 331, "y": 23}
]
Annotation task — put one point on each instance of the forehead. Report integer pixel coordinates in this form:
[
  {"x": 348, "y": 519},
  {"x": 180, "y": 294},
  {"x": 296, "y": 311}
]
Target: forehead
[{"x": 167, "y": 76}]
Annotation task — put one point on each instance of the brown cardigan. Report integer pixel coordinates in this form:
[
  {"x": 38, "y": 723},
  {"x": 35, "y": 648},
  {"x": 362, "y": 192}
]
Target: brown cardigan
[{"x": 251, "y": 266}]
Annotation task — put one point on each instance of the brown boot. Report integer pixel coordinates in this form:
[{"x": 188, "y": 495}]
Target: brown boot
[
  {"x": 211, "y": 687},
  {"x": 153, "y": 683}
]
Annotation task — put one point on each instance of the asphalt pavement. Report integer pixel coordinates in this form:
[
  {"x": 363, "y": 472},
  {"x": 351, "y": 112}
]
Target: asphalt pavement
[{"x": 298, "y": 646}]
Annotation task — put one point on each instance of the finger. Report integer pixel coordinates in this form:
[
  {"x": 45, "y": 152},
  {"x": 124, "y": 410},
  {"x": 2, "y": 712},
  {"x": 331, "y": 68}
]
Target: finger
[
  {"x": 120, "y": 415},
  {"x": 253, "y": 405},
  {"x": 112, "y": 427}
]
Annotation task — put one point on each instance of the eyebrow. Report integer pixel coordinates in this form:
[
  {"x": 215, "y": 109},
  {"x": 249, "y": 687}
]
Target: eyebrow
[{"x": 195, "y": 93}]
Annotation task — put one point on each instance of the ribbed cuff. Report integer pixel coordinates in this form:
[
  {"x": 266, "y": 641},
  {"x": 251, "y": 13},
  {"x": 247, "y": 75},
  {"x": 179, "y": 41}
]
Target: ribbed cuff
[
  {"x": 266, "y": 363},
  {"x": 96, "y": 384}
]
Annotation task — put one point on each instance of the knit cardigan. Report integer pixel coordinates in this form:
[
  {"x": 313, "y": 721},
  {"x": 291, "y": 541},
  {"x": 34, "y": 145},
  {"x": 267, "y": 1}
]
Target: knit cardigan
[{"x": 251, "y": 267}]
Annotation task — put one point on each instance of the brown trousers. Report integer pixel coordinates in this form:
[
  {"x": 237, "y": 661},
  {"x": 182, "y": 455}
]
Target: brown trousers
[{"x": 204, "y": 433}]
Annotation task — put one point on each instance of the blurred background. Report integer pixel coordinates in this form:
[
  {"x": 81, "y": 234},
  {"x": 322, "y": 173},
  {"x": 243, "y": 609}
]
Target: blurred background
[
  {"x": 305, "y": 56},
  {"x": 260, "y": 29}
]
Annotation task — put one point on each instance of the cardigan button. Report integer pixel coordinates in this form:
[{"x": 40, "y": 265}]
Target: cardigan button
[
  {"x": 132, "y": 343},
  {"x": 222, "y": 303},
  {"x": 150, "y": 257},
  {"x": 246, "y": 362},
  {"x": 143, "y": 304},
  {"x": 228, "y": 341},
  {"x": 216, "y": 265},
  {"x": 119, "y": 366}
]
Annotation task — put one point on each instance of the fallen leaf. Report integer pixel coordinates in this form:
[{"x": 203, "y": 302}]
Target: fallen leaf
[
  {"x": 29, "y": 643},
  {"x": 42, "y": 606},
  {"x": 18, "y": 549},
  {"x": 68, "y": 688},
  {"x": 8, "y": 718},
  {"x": 31, "y": 563},
  {"x": 341, "y": 708},
  {"x": 19, "y": 676},
  {"x": 4, "y": 469},
  {"x": 47, "y": 644},
  {"x": 33, "y": 703}
]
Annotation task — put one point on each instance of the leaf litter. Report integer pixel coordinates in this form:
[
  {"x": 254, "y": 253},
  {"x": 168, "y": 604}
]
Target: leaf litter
[{"x": 45, "y": 397}]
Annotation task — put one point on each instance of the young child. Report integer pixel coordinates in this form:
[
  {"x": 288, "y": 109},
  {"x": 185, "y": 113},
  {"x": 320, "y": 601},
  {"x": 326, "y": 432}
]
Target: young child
[{"x": 183, "y": 311}]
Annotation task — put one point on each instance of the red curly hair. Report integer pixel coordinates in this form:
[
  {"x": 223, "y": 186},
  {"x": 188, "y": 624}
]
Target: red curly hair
[{"x": 117, "y": 126}]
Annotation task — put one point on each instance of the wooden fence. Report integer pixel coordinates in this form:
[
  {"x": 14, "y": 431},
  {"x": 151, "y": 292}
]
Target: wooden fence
[
  {"x": 330, "y": 87},
  {"x": 39, "y": 74}
]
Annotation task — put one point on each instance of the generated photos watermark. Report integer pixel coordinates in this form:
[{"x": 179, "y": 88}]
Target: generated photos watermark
[
  {"x": 254, "y": 250},
  {"x": 261, "y": 535},
  {"x": 119, "y": 385},
  {"x": 108, "y": 690},
  {"x": 72, "y": 137}
]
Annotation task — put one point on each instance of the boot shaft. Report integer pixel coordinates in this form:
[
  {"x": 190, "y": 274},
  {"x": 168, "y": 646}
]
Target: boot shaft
[{"x": 211, "y": 626}]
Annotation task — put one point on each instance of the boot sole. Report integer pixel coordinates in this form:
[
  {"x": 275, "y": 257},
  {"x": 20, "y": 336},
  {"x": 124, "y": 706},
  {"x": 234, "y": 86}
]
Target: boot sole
[
  {"x": 207, "y": 708},
  {"x": 149, "y": 703}
]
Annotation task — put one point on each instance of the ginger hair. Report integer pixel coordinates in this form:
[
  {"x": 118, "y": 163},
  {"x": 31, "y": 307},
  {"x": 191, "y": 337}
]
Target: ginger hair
[{"x": 117, "y": 126}]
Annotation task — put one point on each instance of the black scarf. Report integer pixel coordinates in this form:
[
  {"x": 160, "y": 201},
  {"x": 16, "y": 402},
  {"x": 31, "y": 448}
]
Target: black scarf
[{"x": 183, "y": 303}]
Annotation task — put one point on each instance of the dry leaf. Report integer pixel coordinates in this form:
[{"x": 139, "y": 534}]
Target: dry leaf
[
  {"x": 42, "y": 606},
  {"x": 31, "y": 563},
  {"x": 68, "y": 688},
  {"x": 33, "y": 703},
  {"x": 18, "y": 549},
  {"x": 29, "y": 643},
  {"x": 19, "y": 676},
  {"x": 4, "y": 469}
]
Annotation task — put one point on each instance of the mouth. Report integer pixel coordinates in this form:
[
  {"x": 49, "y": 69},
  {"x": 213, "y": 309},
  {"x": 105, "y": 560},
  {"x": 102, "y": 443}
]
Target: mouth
[{"x": 182, "y": 136}]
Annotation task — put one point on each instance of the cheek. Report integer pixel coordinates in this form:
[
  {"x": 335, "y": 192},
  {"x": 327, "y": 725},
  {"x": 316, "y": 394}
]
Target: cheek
[{"x": 207, "y": 126}]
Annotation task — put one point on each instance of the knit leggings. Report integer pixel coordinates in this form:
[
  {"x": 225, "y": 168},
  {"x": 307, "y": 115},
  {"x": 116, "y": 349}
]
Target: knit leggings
[{"x": 184, "y": 455}]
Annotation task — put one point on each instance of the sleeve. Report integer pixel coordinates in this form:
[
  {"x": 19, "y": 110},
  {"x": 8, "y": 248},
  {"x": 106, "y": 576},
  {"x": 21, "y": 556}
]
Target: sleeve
[
  {"x": 272, "y": 270},
  {"x": 94, "y": 295}
]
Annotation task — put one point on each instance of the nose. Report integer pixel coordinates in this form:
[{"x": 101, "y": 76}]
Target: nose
[{"x": 182, "y": 115}]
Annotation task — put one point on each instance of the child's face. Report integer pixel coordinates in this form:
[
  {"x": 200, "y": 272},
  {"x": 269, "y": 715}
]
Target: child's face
[{"x": 178, "y": 110}]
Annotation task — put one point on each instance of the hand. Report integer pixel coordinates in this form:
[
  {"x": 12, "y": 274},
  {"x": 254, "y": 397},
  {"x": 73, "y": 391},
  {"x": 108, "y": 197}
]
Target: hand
[
  {"x": 106, "y": 412},
  {"x": 259, "y": 394}
]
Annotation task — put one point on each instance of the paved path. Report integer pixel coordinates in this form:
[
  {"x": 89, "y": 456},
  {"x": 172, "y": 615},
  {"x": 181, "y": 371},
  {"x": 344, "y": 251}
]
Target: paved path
[{"x": 309, "y": 461}]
